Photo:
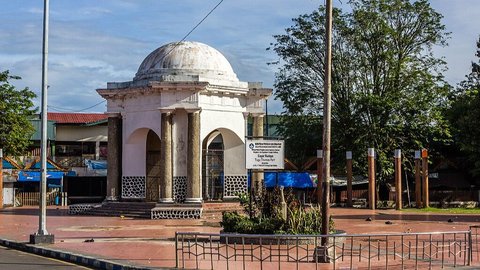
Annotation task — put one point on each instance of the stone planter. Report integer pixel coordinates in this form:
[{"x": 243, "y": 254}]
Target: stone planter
[{"x": 278, "y": 239}]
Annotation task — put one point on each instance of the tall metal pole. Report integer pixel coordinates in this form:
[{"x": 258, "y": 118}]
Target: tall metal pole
[
  {"x": 42, "y": 228},
  {"x": 327, "y": 114},
  {"x": 42, "y": 235}
]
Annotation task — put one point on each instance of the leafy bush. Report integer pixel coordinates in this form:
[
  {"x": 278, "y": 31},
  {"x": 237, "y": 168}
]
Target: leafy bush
[{"x": 266, "y": 218}]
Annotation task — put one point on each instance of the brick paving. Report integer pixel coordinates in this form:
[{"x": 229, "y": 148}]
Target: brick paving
[{"x": 149, "y": 243}]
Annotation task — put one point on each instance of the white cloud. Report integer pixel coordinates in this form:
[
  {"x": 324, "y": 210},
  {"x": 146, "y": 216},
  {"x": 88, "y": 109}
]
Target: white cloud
[{"x": 93, "y": 42}]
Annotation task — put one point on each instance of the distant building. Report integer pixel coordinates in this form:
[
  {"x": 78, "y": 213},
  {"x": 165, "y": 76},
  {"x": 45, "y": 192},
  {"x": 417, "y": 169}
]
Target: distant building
[{"x": 73, "y": 138}]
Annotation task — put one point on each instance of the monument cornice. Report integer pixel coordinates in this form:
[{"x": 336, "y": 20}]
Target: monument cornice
[{"x": 151, "y": 88}]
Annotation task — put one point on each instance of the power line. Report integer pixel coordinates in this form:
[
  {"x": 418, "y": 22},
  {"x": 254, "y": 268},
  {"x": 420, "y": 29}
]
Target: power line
[
  {"x": 60, "y": 109},
  {"x": 193, "y": 29}
]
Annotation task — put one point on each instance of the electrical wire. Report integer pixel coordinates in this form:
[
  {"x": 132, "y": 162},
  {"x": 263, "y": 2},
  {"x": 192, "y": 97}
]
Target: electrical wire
[
  {"x": 193, "y": 29},
  {"x": 60, "y": 109}
]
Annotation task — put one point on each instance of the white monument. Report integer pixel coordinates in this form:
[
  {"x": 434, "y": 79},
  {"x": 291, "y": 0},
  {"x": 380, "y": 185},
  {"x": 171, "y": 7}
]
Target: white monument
[{"x": 177, "y": 130}]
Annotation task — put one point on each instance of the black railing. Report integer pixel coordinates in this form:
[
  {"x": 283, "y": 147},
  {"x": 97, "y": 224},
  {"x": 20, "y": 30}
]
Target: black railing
[{"x": 349, "y": 251}]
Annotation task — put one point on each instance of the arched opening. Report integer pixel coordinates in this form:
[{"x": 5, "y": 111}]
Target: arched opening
[
  {"x": 212, "y": 167},
  {"x": 152, "y": 161}
]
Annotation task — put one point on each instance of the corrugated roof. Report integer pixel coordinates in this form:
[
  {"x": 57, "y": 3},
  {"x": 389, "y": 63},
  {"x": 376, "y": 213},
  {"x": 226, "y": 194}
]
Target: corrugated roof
[{"x": 76, "y": 118}]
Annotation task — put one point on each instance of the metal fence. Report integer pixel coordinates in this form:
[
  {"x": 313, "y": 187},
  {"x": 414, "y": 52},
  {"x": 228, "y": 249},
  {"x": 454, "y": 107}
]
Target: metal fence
[
  {"x": 355, "y": 251},
  {"x": 33, "y": 198},
  {"x": 475, "y": 234}
]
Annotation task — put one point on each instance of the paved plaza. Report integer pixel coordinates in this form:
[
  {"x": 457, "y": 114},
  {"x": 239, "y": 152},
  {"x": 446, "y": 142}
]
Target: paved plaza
[{"x": 150, "y": 243}]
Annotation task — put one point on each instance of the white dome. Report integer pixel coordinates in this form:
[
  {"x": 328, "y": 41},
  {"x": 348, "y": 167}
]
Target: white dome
[{"x": 186, "y": 61}]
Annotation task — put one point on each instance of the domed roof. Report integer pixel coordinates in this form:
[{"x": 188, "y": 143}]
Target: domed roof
[{"x": 186, "y": 61}]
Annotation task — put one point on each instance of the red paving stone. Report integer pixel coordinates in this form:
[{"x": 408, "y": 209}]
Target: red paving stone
[{"x": 151, "y": 242}]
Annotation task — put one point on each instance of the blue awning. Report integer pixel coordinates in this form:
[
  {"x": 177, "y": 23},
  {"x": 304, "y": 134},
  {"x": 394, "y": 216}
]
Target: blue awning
[
  {"x": 7, "y": 164},
  {"x": 34, "y": 176},
  {"x": 288, "y": 179}
]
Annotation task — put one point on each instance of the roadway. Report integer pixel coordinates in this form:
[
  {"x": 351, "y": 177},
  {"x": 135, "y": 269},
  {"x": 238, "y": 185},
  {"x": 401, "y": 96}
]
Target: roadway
[{"x": 16, "y": 260}]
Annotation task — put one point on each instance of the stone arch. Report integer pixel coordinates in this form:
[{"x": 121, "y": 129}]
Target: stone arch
[
  {"x": 141, "y": 159},
  {"x": 223, "y": 154},
  {"x": 152, "y": 167}
]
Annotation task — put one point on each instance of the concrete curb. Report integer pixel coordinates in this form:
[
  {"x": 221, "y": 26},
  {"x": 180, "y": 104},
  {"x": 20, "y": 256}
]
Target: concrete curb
[{"x": 70, "y": 257}]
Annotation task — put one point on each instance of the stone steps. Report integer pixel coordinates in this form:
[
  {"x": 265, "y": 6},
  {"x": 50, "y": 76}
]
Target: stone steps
[
  {"x": 148, "y": 210},
  {"x": 122, "y": 209}
]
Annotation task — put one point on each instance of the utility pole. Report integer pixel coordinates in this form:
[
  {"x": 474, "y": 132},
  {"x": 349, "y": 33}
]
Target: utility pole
[
  {"x": 327, "y": 114},
  {"x": 42, "y": 236}
]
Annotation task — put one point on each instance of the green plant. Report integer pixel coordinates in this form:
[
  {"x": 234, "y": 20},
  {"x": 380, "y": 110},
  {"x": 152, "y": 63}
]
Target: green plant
[{"x": 266, "y": 217}]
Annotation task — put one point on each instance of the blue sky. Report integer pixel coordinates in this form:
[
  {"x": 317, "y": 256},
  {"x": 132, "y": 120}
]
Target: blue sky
[{"x": 94, "y": 42}]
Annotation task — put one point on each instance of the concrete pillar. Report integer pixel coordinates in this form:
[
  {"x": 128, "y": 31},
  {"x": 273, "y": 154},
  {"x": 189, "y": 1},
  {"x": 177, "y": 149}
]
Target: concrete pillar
[
  {"x": 349, "y": 179},
  {"x": 371, "y": 178},
  {"x": 257, "y": 177},
  {"x": 97, "y": 150},
  {"x": 319, "y": 176},
  {"x": 114, "y": 158},
  {"x": 193, "y": 158},
  {"x": 418, "y": 181},
  {"x": 166, "y": 179},
  {"x": 425, "y": 199},
  {"x": 398, "y": 179}
]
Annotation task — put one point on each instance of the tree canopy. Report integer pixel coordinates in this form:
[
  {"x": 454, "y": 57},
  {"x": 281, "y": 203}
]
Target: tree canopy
[
  {"x": 388, "y": 90},
  {"x": 16, "y": 108},
  {"x": 465, "y": 116}
]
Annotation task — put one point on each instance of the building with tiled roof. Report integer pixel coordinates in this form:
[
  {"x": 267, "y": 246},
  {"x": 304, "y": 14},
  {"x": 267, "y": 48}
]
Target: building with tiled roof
[
  {"x": 77, "y": 118},
  {"x": 73, "y": 138}
]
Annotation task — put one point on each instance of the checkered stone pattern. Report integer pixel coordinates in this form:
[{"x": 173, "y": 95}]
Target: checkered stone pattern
[
  {"x": 78, "y": 209},
  {"x": 176, "y": 213},
  {"x": 179, "y": 188},
  {"x": 235, "y": 184},
  {"x": 133, "y": 187}
]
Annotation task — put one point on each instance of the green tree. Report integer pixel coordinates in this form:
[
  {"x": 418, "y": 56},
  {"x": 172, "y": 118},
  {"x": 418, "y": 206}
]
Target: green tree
[
  {"x": 16, "y": 108},
  {"x": 465, "y": 116},
  {"x": 388, "y": 89}
]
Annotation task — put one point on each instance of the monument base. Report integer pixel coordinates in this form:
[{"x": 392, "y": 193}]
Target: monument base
[
  {"x": 321, "y": 254},
  {"x": 37, "y": 239}
]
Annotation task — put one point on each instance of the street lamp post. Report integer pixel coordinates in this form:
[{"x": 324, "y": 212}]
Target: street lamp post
[{"x": 42, "y": 236}]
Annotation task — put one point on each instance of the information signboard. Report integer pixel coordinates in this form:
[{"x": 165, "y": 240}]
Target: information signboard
[{"x": 264, "y": 154}]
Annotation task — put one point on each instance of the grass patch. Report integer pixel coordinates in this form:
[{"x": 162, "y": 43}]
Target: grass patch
[{"x": 444, "y": 210}]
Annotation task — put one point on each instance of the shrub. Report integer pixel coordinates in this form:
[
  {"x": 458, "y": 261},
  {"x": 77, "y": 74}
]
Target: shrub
[{"x": 266, "y": 217}]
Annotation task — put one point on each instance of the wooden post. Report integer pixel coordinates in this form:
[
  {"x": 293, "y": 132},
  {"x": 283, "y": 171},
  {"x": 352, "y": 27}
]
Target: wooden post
[
  {"x": 349, "y": 179},
  {"x": 371, "y": 178},
  {"x": 319, "y": 176},
  {"x": 1, "y": 178},
  {"x": 398, "y": 179},
  {"x": 418, "y": 180},
  {"x": 426, "y": 202}
]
